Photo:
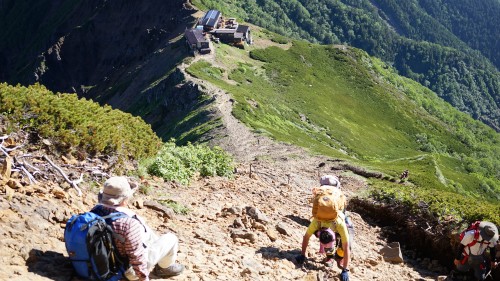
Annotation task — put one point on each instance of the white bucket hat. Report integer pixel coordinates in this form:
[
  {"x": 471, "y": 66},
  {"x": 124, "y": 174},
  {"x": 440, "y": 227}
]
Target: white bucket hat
[
  {"x": 488, "y": 231},
  {"x": 116, "y": 189}
]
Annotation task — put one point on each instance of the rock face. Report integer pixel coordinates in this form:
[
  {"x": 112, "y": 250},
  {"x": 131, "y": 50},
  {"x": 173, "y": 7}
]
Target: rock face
[
  {"x": 119, "y": 53},
  {"x": 80, "y": 45}
]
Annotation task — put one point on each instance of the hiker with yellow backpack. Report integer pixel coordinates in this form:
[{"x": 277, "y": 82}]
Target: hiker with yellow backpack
[{"x": 329, "y": 220}]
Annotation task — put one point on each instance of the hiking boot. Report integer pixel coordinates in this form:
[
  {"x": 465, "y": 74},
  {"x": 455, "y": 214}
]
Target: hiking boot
[{"x": 173, "y": 270}]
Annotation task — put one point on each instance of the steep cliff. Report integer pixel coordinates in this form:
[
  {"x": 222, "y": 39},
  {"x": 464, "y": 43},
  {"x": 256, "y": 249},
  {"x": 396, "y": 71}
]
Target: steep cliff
[{"x": 122, "y": 53}]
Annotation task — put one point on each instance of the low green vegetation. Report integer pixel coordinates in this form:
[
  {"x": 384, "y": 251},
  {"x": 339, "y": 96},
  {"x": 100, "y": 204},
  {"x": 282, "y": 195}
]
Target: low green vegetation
[
  {"x": 181, "y": 163},
  {"x": 77, "y": 124},
  {"x": 449, "y": 46},
  {"x": 441, "y": 205},
  {"x": 175, "y": 206},
  {"x": 340, "y": 102}
]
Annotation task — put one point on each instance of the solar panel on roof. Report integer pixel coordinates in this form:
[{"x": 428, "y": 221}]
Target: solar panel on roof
[{"x": 210, "y": 18}]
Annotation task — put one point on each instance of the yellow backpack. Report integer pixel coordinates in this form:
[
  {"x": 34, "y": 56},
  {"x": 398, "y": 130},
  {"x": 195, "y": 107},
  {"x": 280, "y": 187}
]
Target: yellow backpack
[{"x": 327, "y": 201}]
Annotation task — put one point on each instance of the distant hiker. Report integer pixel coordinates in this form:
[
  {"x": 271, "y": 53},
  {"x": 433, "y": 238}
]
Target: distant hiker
[
  {"x": 472, "y": 250},
  {"x": 144, "y": 249},
  {"x": 328, "y": 224},
  {"x": 404, "y": 175},
  {"x": 330, "y": 180}
]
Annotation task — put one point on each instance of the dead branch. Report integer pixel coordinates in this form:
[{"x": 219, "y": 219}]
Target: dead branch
[
  {"x": 28, "y": 174},
  {"x": 14, "y": 148},
  {"x": 31, "y": 167},
  {"x": 73, "y": 183}
]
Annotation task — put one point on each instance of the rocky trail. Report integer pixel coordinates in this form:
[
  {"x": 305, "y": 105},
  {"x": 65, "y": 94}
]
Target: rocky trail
[{"x": 246, "y": 228}]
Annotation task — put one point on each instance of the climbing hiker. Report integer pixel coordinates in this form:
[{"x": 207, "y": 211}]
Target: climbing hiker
[
  {"x": 471, "y": 253},
  {"x": 328, "y": 224},
  {"x": 404, "y": 175},
  {"x": 144, "y": 249}
]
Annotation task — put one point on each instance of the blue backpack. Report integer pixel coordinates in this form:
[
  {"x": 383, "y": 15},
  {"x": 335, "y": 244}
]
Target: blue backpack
[{"x": 91, "y": 248}]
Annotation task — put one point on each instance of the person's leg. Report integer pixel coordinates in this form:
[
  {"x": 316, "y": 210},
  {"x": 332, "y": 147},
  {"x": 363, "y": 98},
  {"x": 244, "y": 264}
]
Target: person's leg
[
  {"x": 477, "y": 264},
  {"x": 163, "y": 251},
  {"x": 462, "y": 272},
  {"x": 163, "y": 254}
]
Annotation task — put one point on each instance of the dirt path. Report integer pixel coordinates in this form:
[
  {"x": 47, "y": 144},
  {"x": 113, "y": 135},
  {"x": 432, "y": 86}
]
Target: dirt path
[
  {"x": 237, "y": 139},
  {"x": 279, "y": 186}
]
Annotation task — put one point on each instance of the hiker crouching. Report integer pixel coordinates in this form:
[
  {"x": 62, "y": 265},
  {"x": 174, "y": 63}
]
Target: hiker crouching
[
  {"x": 144, "y": 249},
  {"x": 328, "y": 221},
  {"x": 471, "y": 254}
]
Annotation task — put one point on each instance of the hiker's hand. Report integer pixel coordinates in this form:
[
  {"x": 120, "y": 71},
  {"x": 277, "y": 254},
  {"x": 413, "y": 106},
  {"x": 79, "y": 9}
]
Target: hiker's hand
[
  {"x": 344, "y": 276},
  {"x": 300, "y": 259},
  {"x": 456, "y": 262},
  {"x": 494, "y": 264}
]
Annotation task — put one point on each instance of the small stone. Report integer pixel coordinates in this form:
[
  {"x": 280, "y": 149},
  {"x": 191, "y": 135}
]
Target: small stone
[
  {"x": 283, "y": 229},
  {"x": 273, "y": 235},
  {"x": 372, "y": 261},
  {"x": 243, "y": 234},
  {"x": 238, "y": 223},
  {"x": 59, "y": 193},
  {"x": 258, "y": 226},
  {"x": 257, "y": 215}
]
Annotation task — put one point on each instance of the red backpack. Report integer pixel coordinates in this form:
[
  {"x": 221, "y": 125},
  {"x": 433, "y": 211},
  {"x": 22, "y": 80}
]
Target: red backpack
[{"x": 474, "y": 226}]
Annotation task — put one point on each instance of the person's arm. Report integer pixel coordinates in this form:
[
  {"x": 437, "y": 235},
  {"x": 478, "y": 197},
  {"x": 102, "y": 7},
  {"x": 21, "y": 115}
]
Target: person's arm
[
  {"x": 460, "y": 252},
  {"x": 493, "y": 255},
  {"x": 135, "y": 250},
  {"x": 305, "y": 243},
  {"x": 347, "y": 255}
]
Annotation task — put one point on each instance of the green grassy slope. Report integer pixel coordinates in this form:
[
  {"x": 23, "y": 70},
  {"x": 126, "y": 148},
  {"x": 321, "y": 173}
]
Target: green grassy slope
[
  {"x": 450, "y": 49},
  {"x": 348, "y": 105}
]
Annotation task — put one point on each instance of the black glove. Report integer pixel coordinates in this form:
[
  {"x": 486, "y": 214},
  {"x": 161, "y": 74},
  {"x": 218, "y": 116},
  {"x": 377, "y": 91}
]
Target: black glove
[
  {"x": 300, "y": 259},
  {"x": 344, "y": 276}
]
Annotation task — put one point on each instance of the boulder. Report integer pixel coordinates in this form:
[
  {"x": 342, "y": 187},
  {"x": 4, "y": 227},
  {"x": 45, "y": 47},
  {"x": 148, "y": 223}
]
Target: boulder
[{"x": 392, "y": 252}]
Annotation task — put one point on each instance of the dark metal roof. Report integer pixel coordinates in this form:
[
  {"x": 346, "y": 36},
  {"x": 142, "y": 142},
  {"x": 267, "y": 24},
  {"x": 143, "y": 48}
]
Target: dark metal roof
[
  {"x": 223, "y": 31},
  {"x": 243, "y": 28},
  {"x": 211, "y": 18},
  {"x": 193, "y": 36}
]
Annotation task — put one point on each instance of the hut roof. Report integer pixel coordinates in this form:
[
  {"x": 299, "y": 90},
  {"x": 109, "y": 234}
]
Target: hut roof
[
  {"x": 193, "y": 36},
  {"x": 211, "y": 18}
]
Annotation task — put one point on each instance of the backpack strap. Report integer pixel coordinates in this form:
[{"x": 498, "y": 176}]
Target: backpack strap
[
  {"x": 475, "y": 240},
  {"x": 112, "y": 217}
]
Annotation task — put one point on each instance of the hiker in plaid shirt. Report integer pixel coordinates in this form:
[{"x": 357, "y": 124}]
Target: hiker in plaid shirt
[{"x": 141, "y": 246}]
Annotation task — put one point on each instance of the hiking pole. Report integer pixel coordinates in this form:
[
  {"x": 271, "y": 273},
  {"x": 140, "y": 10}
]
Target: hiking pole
[{"x": 488, "y": 275}]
